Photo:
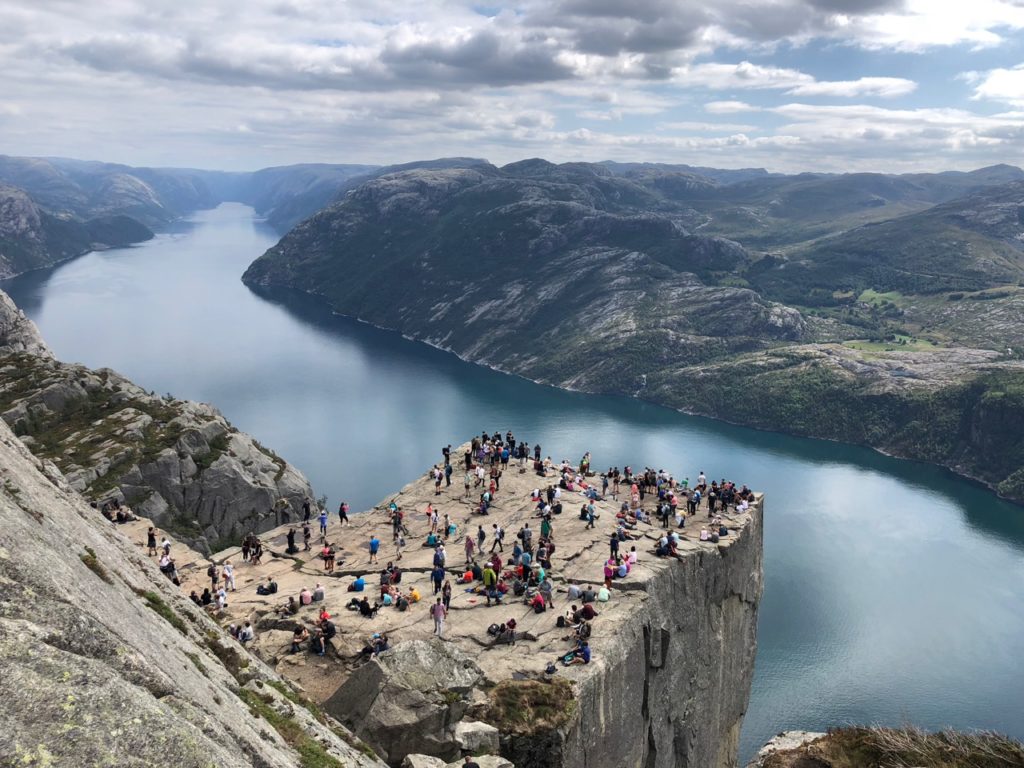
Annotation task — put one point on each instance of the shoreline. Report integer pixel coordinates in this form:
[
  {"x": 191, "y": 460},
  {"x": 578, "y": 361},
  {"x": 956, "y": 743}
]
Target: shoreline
[{"x": 951, "y": 470}]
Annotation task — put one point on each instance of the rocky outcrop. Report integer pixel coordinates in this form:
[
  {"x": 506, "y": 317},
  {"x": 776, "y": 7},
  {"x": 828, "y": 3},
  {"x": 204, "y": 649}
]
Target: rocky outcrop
[
  {"x": 786, "y": 741},
  {"x": 673, "y": 648},
  {"x": 104, "y": 663},
  {"x": 401, "y": 702},
  {"x": 177, "y": 462},
  {"x": 32, "y": 238},
  {"x": 17, "y": 332}
]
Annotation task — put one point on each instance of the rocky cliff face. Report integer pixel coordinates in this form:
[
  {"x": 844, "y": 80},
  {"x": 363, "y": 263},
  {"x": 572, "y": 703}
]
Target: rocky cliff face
[
  {"x": 178, "y": 462},
  {"x": 104, "y": 663},
  {"x": 17, "y": 332},
  {"x": 31, "y": 237},
  {"x": 676, "y": 675}
]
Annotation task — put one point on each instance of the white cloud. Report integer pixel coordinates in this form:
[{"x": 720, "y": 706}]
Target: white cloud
[
  {"x": 729, "y": 107},
  {"x": 277, "y": 81},
  {"x": 884, "y": 87},
  {"x": 1001, "y": 84}
]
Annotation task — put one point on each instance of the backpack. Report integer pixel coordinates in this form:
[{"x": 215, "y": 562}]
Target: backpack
[
  {"x": 211, "y": 571},
  {"x": 560, "y": 622}
]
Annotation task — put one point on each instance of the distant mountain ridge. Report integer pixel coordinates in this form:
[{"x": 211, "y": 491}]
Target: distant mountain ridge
[{"x": 827, "y": 305}]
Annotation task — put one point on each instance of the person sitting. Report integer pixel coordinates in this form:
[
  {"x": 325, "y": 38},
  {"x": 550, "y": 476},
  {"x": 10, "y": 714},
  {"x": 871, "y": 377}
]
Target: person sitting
[
  {"x": 380, "y": 644},
  {"x": 269, "y": 589},
  {"x": 246, "y": 634},
  {"x": 537, "y": 603},
  {"x": 414, "y": 595},
  {"x": 358, "y": 585},
  {"x": 477, "y": 571},
  {"x": 207, "y": 597},
  {"x": 291, "y": 607},
  {"x": 319, "y": 594},
  {"x": 305, "y": 596},
  {"x": 403, "y": 602},
  {"x": 603, "y": 595},
  {"x": 300, "y": 635},
  {"x": 324, "y": 615},
  {"x": 432, "y": 540},
  {"x": 386, "y": 599},
  {"x": 588, "y": 595},
  {"x": 579, "y": 656},
  {"x": 318, "y": 645},
  {"x": 195, "y": 598},
  {"x": 328, "y": 628}
]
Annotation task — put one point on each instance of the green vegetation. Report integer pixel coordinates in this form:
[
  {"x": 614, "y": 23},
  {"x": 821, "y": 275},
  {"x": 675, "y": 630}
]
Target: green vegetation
[
  {"x": 218, "y": 447},
  {"x": 93, "y": 564},
  {"x": 154, "y": 601},
  {"x": 903, "y": 748},
  {"x": 197, "y": 662},
  {"x": 234, "y": 661},
  {"x": 311, "y": 753},
  {"x": 896, "y": 342},
  {"x": 528, "y": 706}
]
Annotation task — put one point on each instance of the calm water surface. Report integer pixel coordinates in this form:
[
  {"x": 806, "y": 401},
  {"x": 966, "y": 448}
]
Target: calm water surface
[{"x": 893, "y": 592}]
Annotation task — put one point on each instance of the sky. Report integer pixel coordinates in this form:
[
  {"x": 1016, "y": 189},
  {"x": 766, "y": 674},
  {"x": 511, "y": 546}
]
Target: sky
[{"x": 787, "y": 85}]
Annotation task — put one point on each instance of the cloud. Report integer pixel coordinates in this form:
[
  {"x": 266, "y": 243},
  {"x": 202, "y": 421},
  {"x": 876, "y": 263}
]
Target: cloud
[
  {"x": 1006, "y": 85},
  {"x": 729, "y": 107},
  {"x": 278, "y": 81},
  {"x": 884, "y": 87}
]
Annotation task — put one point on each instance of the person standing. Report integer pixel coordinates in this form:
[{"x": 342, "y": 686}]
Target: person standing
[
  {"x": 481, "y": 537},
  {"x": 447, "y": 475},
  {"x": 446, "y": 594},
  {"x": 343, "y": 514},
  {"x": 323, "y": 523},
  {"x": 613, "y": 544},
  {"x": 399, "y": 544},
  {"x": 497, "y": 538},
  {"x": 307, "y": 509},
  {"x": 229, "y": 575},
  {"x": 306, "y": 536},
  {"x": 437, "y": 576},
  {"x": 151, "y": 535},
  {"x": 469, "y": 550},
  {"x": 439, "y": 614},
  {"x": 374, "y": 547}
]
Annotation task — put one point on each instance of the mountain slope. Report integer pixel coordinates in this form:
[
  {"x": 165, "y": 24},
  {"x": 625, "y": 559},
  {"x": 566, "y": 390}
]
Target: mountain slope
[
  {"x": 575, "y": 276},
  {"x": 491, "y": 263}
]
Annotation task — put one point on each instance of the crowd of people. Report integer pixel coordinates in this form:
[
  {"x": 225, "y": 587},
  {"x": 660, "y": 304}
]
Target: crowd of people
[{"x": 491, "y": 571}]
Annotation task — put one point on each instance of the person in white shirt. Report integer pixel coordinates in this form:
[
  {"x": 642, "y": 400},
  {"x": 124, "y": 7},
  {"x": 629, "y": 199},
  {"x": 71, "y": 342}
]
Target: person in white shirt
[
  {"x": 229, "y": 575},
  {"x": 222, "y": 598},
  {"x": 246, "y": 634}
]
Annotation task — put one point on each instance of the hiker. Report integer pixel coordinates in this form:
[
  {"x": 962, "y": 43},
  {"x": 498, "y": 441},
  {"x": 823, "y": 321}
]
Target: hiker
[
  {"x": 246, "y": 635},
  {"x": 437, "y": 576},
  {"x": 446, "y": 594},
  {"x": 292, "y": 549},
  {"x": 151, "y": 541},
  {"x": 229, "y": 575},
  {"x": 579, "y": 656},
  {"x": 374, "y": 546},
  {"x": 498, "y": 537},
  {"x": 343, "y": 514},
  {"x": 299, "y": 636},
  {"x": 439, "y": 613},
  {"x": 306, "y": 536},
  {"x": 323, "y": 523},
  {"x": 307, "y": 509}
]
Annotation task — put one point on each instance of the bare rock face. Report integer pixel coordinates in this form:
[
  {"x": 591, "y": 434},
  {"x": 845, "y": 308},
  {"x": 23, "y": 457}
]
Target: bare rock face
[
  {"x": 17, "y": 332},
  {"x": 104, "y": 663},
  {"x": 407, "y": 700}
]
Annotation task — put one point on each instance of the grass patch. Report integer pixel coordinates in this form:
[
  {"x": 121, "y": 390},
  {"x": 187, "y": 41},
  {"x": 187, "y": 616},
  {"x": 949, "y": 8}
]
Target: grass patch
[
  {"x": 93, "y": 564},
  {"x": 898, "y": 343},
  {"x": 904, "y": 748},
  {"x": 194, "y": 658},
  {"x": 527, "y": 706},
  {"x": 311, "y": 752},
  {"x": 877, "y": 298},
  {"x": 232, "y": 659},
  {"x": 154, "y": 601}
]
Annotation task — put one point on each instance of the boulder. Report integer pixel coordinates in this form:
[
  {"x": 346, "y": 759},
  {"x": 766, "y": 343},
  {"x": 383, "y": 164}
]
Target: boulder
[
  {"x": 423, "y": 761},
  {"x": 406, "y": 700},
  {"x": 475, "y": 737},
  {"x": 485, "y": 761}
]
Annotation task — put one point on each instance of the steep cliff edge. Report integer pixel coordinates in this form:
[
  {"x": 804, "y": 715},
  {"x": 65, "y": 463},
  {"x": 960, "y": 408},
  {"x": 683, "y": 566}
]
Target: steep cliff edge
[
  {"x": 104, "y": 663},
  {"x": 673, "y": 648},
  {"x": 179, "y": 463}
]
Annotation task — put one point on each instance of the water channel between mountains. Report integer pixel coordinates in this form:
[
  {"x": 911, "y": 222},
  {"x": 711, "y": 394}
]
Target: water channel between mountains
[{"x": 894, "y": 592}]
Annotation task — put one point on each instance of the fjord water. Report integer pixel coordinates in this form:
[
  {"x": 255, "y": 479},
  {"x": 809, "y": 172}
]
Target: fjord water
[{"x": 894, "y": 592}]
